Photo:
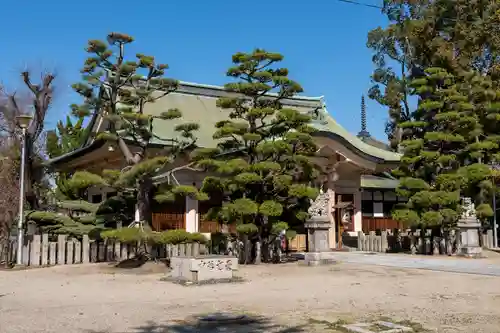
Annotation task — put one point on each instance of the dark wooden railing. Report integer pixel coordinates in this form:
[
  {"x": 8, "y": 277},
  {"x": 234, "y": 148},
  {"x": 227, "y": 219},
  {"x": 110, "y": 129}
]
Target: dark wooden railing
[
  {"x": 168, "y": 221},
  {"x": 379, "y": 223},
  {"x": 214, "y": 226}
]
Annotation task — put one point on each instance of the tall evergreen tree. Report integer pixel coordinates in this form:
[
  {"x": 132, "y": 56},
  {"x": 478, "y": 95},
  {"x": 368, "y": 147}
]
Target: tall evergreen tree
[
  {"x": 433, "y": 139},
  {"x": 454, "y": 35},
  {"x": 65, "y": 138},
  {"x": 120, "y": 90},
  {"x": 262, "y": 162},
  {"x": 446, "y": 145}
]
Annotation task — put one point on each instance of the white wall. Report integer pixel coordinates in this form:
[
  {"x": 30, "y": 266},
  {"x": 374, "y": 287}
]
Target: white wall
[{"x": 192, "y": 216}]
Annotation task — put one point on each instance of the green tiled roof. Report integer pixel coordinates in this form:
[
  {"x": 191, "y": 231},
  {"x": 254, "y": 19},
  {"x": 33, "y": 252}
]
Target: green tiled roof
[
  {"x": 370, "y": 181},
  {"x": 330, "y": 127},
  {"x": 197, "y": 103}
]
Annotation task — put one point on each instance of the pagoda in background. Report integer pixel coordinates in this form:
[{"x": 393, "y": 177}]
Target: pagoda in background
[{"x": 364, "y": 135}]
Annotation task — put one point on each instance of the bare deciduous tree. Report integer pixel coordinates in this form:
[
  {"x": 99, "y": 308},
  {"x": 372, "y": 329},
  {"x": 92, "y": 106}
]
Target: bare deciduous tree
[
  {"x": 36, "y": 101},
  {"x": 9, "y": 195}
]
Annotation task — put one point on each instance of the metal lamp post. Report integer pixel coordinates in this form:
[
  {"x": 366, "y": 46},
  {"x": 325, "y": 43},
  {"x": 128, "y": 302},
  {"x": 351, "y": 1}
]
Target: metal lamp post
[
  {"x": 23, "y": 121},
  {"x": 495, "y": 166},
  {"x": 495, "y": 224}
]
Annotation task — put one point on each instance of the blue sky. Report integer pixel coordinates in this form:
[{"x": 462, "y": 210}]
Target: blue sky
[{"x": 323, "y": 42}]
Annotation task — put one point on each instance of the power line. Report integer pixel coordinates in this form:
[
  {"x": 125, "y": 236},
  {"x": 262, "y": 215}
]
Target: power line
[{"x": 352, "y": 2}]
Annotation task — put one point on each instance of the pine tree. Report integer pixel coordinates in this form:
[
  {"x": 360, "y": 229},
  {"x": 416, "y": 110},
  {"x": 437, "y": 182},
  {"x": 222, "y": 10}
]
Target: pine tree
[
  {"x": 483, "y": 152},
  {"x": 120, "y": 90},
  {"x": 65, "y": 138},
  {"x": 445, "y": 147},
  {"x": 457, "y": 36},
  {"x": 262, "y": 162},
  {"x": 433, "y": 140}
]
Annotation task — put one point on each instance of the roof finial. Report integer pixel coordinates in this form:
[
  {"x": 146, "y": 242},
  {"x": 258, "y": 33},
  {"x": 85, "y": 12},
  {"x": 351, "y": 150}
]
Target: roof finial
[
  {"x": 363, "y": 133},
  {"x": 363, "y": 114}
]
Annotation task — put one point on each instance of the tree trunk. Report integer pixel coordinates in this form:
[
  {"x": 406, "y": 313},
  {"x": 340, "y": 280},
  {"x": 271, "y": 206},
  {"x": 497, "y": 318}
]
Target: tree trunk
[
  {"x": 246, "y": 250},
  {"x": 266, "y": 250},
  {"x": 454, "y": 238},
  {"x": 30, "y": 193},
  {"x": 144, "y": 200}
]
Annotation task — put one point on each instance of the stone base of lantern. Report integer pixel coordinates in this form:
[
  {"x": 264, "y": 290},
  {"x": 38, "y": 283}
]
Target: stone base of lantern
[{"x": 318, "y": 235}]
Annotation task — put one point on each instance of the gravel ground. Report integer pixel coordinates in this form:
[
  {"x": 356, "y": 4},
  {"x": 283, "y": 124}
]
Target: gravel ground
[{"x": 95, "y": 298}]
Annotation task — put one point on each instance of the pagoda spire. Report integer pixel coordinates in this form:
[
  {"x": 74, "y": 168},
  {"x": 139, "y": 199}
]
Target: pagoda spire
[{"x": 364, "y": 132}]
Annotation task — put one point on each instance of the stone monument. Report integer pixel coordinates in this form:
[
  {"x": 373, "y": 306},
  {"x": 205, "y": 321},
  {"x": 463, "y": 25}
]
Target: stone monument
[
  {"x": 468, "y": 228},
  {"x": 203, "y": 269},
  {"x": 318, "y": 227}
]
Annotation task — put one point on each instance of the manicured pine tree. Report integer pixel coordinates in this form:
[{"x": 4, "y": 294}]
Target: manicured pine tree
[
  {"x": 456, "y": 35},
  {"x": 434, "y": 143},
  {"x": 120, "y": 89},
  {"x": 445, "y": 148},
  {"x": 483, "y": 141},
  {"x": 262, "y": 162}
]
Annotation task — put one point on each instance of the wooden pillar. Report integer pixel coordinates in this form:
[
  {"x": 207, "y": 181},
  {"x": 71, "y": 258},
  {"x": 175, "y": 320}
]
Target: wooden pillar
[
  {"x": 358, "y": 214},
  {"x": 332, "y": 235}
]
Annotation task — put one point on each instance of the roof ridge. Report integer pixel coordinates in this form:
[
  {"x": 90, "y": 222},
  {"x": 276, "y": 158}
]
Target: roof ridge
[{"x": 187, "y": 85}]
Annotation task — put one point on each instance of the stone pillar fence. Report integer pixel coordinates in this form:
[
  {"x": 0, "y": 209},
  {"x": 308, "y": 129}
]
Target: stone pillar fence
[
  {"x": 415, "y": 242},
  {"x": 38, "y": 251}
]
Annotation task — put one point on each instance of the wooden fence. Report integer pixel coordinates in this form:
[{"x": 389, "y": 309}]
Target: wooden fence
[
  {"x": 379, "y": 223},
  {"x": 39, "y": 251},
  {"x": 418, "y": 241},
  {"x": 298, "y": 243}
]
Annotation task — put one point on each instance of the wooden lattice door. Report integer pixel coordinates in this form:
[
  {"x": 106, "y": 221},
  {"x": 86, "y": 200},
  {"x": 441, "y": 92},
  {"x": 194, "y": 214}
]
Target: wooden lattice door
[{"x": 169, "y": 216}]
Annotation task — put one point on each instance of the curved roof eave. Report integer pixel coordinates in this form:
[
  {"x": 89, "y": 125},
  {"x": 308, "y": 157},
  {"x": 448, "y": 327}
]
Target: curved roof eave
[{"x": 328, "y": 127}]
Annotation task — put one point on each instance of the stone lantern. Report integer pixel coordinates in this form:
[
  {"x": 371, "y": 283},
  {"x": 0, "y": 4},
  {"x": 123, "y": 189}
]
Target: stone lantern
[
  {"x": 468, "y": 227},
  {"x": 318, "y": 228}
]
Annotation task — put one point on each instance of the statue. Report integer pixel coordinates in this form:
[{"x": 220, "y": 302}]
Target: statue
[
  {"x": 319, "y": 206},
  {"x": 318, "y": 116},
  {"x": 468, "y": 210}
]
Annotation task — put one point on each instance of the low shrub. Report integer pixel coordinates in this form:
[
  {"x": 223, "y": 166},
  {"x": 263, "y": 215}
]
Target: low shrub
[
  {"x": 125, "y": 235},
  {"x": 132, "y": 235}
]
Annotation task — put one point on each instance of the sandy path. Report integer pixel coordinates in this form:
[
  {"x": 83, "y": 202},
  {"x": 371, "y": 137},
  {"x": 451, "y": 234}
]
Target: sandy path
[{"x": 84, "y": 299}]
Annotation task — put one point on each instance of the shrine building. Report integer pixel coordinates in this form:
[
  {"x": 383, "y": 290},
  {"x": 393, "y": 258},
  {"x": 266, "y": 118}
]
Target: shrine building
[{"x": 359, "y": 164}]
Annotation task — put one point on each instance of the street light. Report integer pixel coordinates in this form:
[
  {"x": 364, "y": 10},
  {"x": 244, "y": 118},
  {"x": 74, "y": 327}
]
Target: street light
[
  {"x": 495, "y": 166},
  {"x": 23, "y": 121}
]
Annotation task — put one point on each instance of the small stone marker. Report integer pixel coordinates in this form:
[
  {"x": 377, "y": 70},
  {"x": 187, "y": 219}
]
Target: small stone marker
[
  {"x": 378, "y": 327},
  {"x": 196, "y": 269}
]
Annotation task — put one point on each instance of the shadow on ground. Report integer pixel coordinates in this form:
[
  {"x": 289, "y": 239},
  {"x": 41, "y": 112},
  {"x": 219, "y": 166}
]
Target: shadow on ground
[
  {"x": 137, "y": 265},
  {"x": 215, "y": 323}
]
